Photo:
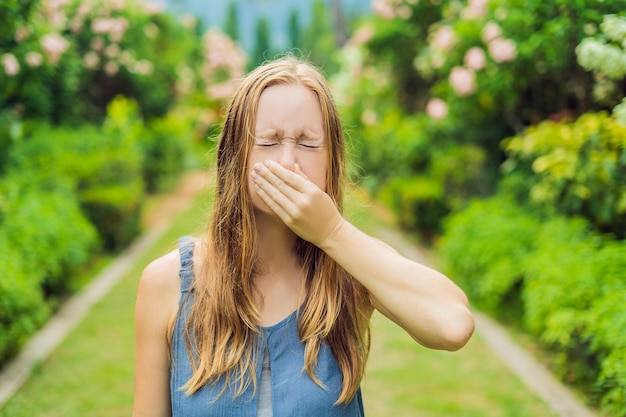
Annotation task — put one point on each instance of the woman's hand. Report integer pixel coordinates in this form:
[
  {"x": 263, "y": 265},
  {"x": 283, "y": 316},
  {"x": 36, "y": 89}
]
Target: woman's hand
[{"x": 307, "y": 210}]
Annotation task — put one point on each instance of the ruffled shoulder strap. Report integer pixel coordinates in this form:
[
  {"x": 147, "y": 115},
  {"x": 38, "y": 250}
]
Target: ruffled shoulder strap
[{"x": 185, "y": 248}]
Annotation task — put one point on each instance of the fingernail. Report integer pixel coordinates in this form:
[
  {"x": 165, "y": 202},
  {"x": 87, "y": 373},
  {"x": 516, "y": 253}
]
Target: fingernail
[
  {"x": 257, "y": 167},
  {"x": 270, "y": 163}
]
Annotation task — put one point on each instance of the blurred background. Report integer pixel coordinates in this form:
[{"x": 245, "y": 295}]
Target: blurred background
[{"x": 493, "y": 131}]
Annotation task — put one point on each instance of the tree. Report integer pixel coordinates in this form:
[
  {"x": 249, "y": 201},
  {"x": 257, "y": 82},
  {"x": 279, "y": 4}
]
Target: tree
[
  {"x": 263, "y": 46},
  {"x": 295, "y": 33},
  {"x": 231, "y": 26}
]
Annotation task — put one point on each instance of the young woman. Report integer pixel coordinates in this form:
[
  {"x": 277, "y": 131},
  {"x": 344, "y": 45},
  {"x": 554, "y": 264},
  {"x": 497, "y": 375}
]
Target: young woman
[{"x": 268, "y": 314}]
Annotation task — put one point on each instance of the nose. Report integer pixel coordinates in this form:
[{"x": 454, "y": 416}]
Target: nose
[{"x": 287, "y": 156}]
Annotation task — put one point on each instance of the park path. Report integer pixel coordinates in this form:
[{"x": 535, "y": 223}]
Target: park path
[{"x": 519, "y": 361}]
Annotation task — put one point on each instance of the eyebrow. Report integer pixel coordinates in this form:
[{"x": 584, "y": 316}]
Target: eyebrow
[{"x": 274, "y": 133}]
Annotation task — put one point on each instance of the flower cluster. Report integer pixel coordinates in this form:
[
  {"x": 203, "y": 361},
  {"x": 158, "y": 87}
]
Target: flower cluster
[
  {"x": 500, "y": 49},
  {"x": 225, "y": 62},
  {"x": 475, "y": 9},
  {"x": 391, "y": 9},
  {"x": 608, "y": 58}
]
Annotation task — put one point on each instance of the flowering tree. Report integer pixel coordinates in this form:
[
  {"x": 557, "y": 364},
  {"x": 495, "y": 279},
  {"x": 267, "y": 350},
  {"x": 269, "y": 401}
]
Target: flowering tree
[{"x": 64, "y": 60}]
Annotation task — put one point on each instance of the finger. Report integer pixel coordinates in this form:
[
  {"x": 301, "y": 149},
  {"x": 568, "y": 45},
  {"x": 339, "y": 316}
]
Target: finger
[
  {"x": 294, "y": 180},
  {"x": 271, "y": 199},
  {"x": 282, "y": 185}
]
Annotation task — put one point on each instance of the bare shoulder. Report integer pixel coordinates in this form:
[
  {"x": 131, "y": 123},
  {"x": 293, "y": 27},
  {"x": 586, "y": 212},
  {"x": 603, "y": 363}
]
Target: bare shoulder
[
  {"x": 159, "y": 290},
  {"x": 161, "y": 275}
]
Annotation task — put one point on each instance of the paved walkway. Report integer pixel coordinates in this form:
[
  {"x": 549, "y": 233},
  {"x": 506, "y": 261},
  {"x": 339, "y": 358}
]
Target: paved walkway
[{"x": 520, "y": 362}]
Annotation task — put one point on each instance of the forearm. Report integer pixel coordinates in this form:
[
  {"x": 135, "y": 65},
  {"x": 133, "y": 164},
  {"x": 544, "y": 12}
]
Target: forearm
[{"x": 430, "y": 307}]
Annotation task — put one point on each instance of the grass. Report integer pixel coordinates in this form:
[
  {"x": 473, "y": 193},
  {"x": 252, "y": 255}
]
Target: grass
[{"x": 91, "y": 372}]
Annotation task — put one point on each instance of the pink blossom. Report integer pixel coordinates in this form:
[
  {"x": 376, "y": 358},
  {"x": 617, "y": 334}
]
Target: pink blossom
[
  {"x": 476, "y": 9},
  {"x": 437, "y": 109},
  {"x": 383, "y": 9},
  {"x": 143, "y": 67},
  {"x": 76, "y": 25},
  {"x": 462, "y": 81},
  {"x": 11, "y": 65},
  {"x": 111, "y": 68},
  {"x": 490, "y": 32},
  {"x": 97, "y": 44},
  {"x": 117, "y": 4},
  {"x": 362, "y": 35},
  {"x": 54, "y": 45},
  {"x": 221, "y": 91},
  {"x": 444, "y": 38},
  {"x": 369, "y": 117},
  {"x": 152, "y": 7},
  {"x": 112, "y": 51},
  {"x": 404, "y": 12},
  {"x": 475, "y": 58},
  {"x": 33, "y": 59},
  {"x": 91, "y": 60},
  {"x": 114, "y": 27},
  {"x": 83, "y": 9},
  {"x": 502, "y": 50}
]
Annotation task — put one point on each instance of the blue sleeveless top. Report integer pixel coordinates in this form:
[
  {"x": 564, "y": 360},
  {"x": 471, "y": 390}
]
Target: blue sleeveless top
[{"x": 293, "y": 392}]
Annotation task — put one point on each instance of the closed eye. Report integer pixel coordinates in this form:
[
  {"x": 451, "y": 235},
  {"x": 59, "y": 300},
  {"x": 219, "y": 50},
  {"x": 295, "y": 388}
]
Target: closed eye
[
  {"x": 310, "y": 145},
  {"x": 266, "y": 142}
]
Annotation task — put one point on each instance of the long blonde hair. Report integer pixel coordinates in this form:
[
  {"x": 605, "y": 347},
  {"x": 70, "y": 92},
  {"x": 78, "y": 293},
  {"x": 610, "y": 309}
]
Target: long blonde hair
[{"x": 222, "y": 325}]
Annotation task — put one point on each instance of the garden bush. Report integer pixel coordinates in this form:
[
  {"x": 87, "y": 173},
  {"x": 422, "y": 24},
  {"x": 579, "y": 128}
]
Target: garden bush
[
  {"x": 554, "y": 277},
  {"x": 574, "y": 168},
  {"x": 103, "y": 165},
  {"x": 22, "y": 309},
  {"x": 485, "y": 246},
  {"x": 44, "y": 238}
]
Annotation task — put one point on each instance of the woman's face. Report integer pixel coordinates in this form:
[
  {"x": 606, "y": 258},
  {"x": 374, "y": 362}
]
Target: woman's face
[{"x": 289, "y": 129}]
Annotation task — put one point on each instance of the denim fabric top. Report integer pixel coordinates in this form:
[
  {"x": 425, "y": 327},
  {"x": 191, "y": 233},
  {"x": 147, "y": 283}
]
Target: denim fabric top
[{"x": 293, "y": 392}]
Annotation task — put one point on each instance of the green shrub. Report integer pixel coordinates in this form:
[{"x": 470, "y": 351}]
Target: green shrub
[
  {"x": 22, "y": 309},
  {"x": 576, "y": 168},
  {"x": 166, "y": 143},
  {"x": 104, "y": 167},
  {"x": 418, "y": 202},
  {"x": 560, "y": 287},
  {"x": 44, "y": 224},
  {"x": 485, "y": 247},
  {"x": 556, "y": 277}
]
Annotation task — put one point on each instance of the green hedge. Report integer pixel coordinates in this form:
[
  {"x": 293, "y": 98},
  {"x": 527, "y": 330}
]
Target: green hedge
[
  {"x": 564, "y": 281},
  {"x": 44, "y": 238}
]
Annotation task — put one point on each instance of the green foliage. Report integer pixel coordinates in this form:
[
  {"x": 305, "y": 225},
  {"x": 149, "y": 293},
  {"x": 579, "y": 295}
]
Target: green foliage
[
  {"x": 231, "y": 26},
  {"x": 485, "y": 246},
  {"x": 22, "y": 309},
  {"x": 103, "y": 167},
  {"x": 417, "y": 201},
  {"x": 562, "y": 279},
  {"x": 317, "y": 40},
  {"x": 576, "y": 168},
  {"x": 165, "y": 143},
  {"x": 44, "y": 238},
  {"x": 262, "y": 51}
]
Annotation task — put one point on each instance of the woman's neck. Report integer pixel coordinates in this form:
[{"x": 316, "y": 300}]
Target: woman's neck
[{"x": 275, "y": 244}]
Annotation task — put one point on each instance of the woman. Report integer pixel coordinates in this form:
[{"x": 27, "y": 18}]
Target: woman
[{"x": 268, "y": 315}]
